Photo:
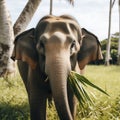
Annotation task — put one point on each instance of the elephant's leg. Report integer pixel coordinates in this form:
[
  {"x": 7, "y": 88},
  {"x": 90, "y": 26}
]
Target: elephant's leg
[
  {"x": 37, "y": 106},
  {"x": 72, "y": 101}
]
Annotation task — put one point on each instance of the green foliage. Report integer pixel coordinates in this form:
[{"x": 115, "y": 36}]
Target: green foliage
[
  {"x": 113, "y": 49},
  {"x": 114, "y": 54},
  {"x": 13, "y": 99},
  {"x": 14, "y": 103},
  {"x": 114, "y": 43},
  {"x": 9, "y": 112},
  {"x": 105, "y": 108},
  {"x": 103, "y": 44}
]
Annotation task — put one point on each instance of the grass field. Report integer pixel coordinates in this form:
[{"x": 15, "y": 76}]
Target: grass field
[{"x": 14, "y": 105}]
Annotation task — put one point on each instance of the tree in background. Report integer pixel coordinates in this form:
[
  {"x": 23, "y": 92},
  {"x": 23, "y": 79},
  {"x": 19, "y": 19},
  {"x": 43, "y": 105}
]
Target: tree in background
[
  {"x": 118, "y": 61},
  {"x": 6, "y": 32},
  {"x": 113, "y": 48},
  {"x": 71, "y": 1},
  {"x": 51, "y": 7},
  {"x": 6, "y": 40},
  {"x": 26, "y": 16},
  {"x": 108, "y": 57}
]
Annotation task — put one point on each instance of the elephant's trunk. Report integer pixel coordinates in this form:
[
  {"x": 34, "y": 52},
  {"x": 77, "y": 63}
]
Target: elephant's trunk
[{"x": 58, "y": 69}]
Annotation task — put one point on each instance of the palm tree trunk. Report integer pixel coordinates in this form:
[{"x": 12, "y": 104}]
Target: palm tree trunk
[
  {"x": 71, "y": 2},
  {"x": 119, "y": 37},
  {"x": 26, "y": 16},
  {"x": 6, "y": 40},
  {"x": 51, "y": 6},
  {"x": 107, "y": 58}
]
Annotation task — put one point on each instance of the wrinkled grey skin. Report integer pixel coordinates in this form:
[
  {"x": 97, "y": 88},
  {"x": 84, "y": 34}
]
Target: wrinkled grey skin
[{"x": 51, "y": 49}]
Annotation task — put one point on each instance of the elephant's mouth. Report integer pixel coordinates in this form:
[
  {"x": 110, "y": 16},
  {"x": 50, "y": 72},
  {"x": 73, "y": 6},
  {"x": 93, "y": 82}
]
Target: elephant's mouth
[{"x": 47, "y": 79}]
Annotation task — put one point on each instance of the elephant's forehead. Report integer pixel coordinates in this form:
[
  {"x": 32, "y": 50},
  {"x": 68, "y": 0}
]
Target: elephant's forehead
[
  {"x": 60, "y": 25},
  {"x": 56, "y": 19},
  {"x": 59, "y": 20},
  {"x": 57, "y": 26}
]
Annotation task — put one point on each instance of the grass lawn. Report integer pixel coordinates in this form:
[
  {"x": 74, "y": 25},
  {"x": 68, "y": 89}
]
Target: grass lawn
[{"x": 14, "y": 104}]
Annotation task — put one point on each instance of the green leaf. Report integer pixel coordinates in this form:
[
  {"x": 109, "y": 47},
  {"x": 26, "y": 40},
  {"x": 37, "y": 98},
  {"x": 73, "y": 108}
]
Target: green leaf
[
  {"x": 85, "y": 80},
  {"x": 76, "y": 92},
  {"x": 78, "y": 83}
]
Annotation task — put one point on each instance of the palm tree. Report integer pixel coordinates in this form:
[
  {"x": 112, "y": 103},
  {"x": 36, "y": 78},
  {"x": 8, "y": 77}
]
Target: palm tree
[
  {"x": 119, "y": 36},
  {"x": 6, "y": 40},
  {"x": 108, "y": 57},
  {"x": 26, "y": 16},
  {"x": 71, "y": 2},
  {"x": 51, "y": 6}
]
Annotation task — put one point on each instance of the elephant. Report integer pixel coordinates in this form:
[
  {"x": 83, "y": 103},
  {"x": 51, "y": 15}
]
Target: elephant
[{"x": 45, "y": 56}]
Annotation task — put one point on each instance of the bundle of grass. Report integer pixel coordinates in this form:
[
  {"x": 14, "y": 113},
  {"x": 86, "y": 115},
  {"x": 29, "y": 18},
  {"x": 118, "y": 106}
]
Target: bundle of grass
[{"x": 78, "y": 84}]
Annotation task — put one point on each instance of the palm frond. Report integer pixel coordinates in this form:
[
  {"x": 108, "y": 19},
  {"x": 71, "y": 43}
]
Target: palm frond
[{"x": 78, "y": 84}]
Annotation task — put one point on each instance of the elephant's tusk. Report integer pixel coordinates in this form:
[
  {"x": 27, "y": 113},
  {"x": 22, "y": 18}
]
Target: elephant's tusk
[{"x": 46, "y": 79}]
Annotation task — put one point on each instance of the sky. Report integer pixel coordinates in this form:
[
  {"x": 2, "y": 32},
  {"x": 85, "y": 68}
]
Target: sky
[{"x": 91, "y": 14}]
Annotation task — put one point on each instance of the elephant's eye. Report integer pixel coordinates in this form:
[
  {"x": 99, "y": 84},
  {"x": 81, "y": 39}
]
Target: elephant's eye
[
  {"x": 73, "y": 44},
  {"x": 41, "y": 47},
  {"x": 72, "y": 48}
]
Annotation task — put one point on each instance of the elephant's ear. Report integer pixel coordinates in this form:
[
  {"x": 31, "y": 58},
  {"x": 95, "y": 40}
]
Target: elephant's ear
[
  {"x": 90, "y": 49},
  {"x": 25, "y": 48}
]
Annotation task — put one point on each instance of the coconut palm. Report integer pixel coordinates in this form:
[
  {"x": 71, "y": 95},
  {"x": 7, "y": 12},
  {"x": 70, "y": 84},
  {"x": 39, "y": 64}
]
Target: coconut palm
[
  {"x": 6, "y": 40},
  {"x": 51, "y": 6},
  {"x": 26, "y": 16},
  {"x": 71, "y": 1},
  {"x": 108, "y": 57},
  {"x": 119, "y": 36}
]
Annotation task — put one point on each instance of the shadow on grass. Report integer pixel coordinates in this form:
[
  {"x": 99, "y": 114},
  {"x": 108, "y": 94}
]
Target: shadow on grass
[
  {"x": 16, "y": 112},
  {"x": 102, "y": 111}
]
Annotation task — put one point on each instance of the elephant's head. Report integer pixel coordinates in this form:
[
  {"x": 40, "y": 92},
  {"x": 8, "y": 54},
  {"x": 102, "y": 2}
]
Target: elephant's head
[{"x": 54, "y": 45}]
